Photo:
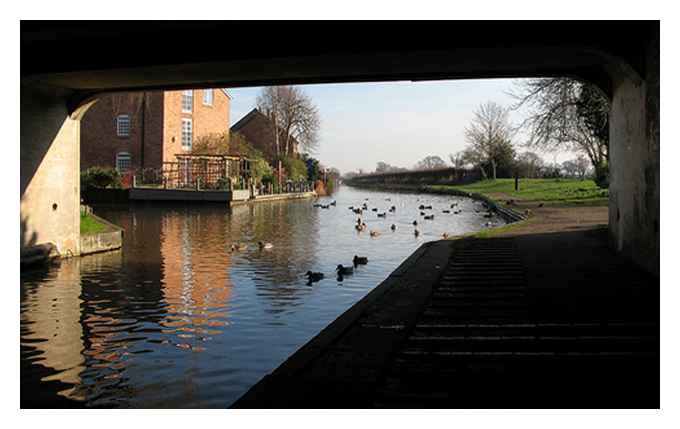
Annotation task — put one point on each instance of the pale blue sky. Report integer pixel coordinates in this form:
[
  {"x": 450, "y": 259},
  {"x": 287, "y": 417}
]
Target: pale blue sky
[{"x": 396, "y": 122}]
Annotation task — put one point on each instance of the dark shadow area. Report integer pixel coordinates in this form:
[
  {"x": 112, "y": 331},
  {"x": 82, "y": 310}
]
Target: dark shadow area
[{"x": 554, "y": 320}]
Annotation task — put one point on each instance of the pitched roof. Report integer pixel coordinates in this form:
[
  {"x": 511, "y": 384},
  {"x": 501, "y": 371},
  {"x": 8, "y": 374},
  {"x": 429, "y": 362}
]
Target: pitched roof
[
  {"x": 247, "y": 118},
  {"x": 253, "y": 114}
]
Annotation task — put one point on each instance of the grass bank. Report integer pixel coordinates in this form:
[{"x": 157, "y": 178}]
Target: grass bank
[
  {"x": 90, "y": 225},
  {"x": 551, "y": 191}
]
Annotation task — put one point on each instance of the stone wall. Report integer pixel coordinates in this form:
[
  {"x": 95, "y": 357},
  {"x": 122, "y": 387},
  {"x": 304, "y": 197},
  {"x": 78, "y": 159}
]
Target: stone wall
[{"x": 634, "y": 192}]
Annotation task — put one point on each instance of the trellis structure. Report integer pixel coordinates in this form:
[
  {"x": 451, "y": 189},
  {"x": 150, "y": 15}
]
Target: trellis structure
[{"x": 206, "y": 172}]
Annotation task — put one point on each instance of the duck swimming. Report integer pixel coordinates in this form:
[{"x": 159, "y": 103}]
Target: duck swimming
[
  {"x": 344, "y": 270},
  {"x": 430, "y": 217},
  {"x": 393, "y": 227},
  {"x": 416, "y": 232},
  {"x": 360, "y": 260},
  {"x": 238, "y": 246},
  {"x": 264, "y": 245},
  {"x": 374, "y": 233},
  {"x": 314, "y": 277},
  {"x": 415, "y": 223},
  {"x": 382, "y": 214},
  {"x": 445, "y": 235}
]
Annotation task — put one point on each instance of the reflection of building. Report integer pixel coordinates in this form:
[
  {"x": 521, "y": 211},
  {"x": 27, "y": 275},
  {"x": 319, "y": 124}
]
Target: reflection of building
[
  {"x": 54, "y": 331},
  {"x": 195, "y": 277},
  {"x": 68, "y": 334},
  {"x": 144, "y": 129}
]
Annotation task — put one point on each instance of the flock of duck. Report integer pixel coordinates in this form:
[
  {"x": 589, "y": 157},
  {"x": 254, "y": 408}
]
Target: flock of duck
[
  {"x": 426, "y": 212},
  {"x": 360, "y": 226},
  {"x": 453, "y": 209}
]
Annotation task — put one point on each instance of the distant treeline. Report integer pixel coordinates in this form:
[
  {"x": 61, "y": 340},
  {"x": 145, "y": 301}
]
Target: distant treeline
[{"x": 456, "y": 176}]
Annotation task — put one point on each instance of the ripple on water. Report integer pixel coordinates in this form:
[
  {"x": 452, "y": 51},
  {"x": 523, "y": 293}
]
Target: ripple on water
[{"x": 178, "y": 320}]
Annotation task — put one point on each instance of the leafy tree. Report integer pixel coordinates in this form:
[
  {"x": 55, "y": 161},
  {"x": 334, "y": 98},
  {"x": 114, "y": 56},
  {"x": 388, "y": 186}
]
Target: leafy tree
[
  {"x": 295, "y": 168},
  {"x": 431, "y": 162},
  {"x": 313, "y": 167},
  {"x": 488, "y": 135},
  {"x": 261, "y": 171},
  {"x": 565, "y": 113}
]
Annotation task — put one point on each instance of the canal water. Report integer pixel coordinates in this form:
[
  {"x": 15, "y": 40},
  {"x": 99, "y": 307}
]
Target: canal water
[{"x": 176, "y": 319}]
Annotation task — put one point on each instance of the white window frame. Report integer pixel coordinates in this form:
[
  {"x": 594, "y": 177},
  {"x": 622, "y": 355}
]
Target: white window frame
[
  {"x": 122, "y": 131},
  {"x": 209, "y": 100},
  {"x": 190, "y": 132},
  {"x": 188, "y": 95},
  {"x": 123, "y": 156}
]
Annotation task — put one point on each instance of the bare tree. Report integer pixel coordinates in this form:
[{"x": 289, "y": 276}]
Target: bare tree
[
  {"x": 569, "y": 167},
  {"x": 582, "y": 166},
  {"x": 295, "y": 119},
  {"x": 487, "y": 134},
  {"x": 457, "y": 159},
  {"x": 565, "y": 114},
  {"x": 529, "y": 164},
  {"x": 383, "y": 167},
  {"x": 430, "y": 162}
]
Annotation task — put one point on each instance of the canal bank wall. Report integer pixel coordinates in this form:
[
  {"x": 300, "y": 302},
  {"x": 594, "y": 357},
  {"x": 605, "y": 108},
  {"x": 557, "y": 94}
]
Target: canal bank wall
[
  {"x": 508, "y": 214},
  {"x": 275, "y": 197},
  {"x": 386, "y": 315},
  {"x": 228, "y": 198},
  {"x": 111, "y": 239}
]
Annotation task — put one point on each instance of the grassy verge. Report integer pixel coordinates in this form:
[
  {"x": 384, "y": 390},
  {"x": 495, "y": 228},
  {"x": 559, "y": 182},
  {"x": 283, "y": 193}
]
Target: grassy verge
[
  {"x": 545, "y": 190},
  {"x": 90, "y": 225}
]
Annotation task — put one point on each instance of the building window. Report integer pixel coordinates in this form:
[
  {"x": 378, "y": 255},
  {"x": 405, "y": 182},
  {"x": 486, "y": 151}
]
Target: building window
[
  {"x": 123, "y": 162},
  {"x": 187, "y": 101},
  {"x": 208, "y": 97},
  {"x": 123, "y": 125},
  {"x": 187, "y": 133}
]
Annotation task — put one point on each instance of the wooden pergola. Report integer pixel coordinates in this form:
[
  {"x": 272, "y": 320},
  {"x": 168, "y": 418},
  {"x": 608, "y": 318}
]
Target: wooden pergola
[{"x": 207, "y": 171}]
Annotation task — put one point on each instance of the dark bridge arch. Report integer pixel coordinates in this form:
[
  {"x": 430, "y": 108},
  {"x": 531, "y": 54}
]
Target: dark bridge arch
[{"x": 73, "y": 62}]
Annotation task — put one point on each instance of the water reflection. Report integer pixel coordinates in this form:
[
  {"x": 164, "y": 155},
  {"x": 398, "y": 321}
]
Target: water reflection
[{"x": 177, "y": 319}]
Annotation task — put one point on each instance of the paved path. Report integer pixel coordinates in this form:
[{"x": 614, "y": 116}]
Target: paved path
[{"x": 544, "y": 316}]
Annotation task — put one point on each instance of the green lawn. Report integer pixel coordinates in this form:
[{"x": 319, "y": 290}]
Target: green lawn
[
  {"x": 89, "y": 225},
  {"x": 549, "y": 190}
]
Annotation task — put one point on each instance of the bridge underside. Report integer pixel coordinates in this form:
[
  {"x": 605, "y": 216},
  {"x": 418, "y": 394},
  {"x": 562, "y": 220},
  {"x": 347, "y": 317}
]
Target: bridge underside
[{"x": 65, "y": 66}]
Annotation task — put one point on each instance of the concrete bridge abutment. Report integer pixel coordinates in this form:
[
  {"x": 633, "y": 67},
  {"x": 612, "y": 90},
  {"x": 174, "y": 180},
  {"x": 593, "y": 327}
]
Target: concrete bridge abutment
[{"x": 49, "y": 171}]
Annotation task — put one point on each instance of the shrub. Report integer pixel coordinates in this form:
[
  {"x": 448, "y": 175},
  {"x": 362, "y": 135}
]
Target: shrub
[
  {"x": 100, "y": 177},
  {"x": 602, "y": 175},
  {"x": 260, "y": 169},
  {"x": 296, "y": 169}
]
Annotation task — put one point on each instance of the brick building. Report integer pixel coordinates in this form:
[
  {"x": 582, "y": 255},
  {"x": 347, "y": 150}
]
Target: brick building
[
  {"x": 144, "y": 129},
  {"x": 256, "y": 128}
]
